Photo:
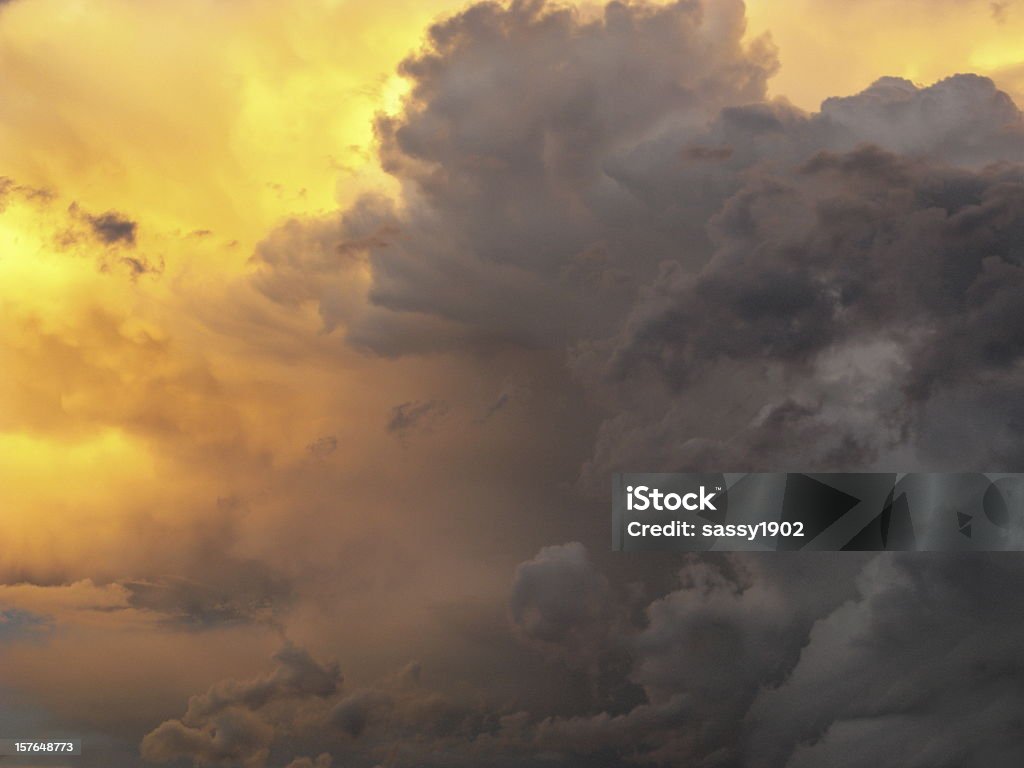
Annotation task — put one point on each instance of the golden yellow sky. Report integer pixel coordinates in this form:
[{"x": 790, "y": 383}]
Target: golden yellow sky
[{"x": 834, "y": 48}]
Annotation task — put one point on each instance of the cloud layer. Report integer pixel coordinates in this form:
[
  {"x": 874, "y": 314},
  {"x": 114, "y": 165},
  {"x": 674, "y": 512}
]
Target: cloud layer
[{"x": 372, "y": 444}]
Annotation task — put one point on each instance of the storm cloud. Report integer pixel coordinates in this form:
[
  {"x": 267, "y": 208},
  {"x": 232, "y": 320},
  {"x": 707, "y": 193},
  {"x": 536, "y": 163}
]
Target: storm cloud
[
  {"x": 826, "y": 275},
  {"x": 512, "y": 229},
  {"x": 732, "y": 283}
]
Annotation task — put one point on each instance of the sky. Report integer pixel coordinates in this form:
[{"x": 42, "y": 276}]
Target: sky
[{"x": 323, "y": 326}]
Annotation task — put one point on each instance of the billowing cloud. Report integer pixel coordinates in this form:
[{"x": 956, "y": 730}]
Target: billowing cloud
[
  {"x": 705, "y": 235},
  {"x": 298, "y": 675},
  {"x": 225, "y": 726},
  {"x": 735, "y": 283},
  {"x": 853, "y": 284},
  {"x": 559, "y": 602},
  {"x": 232, "y": 737},
  {"x": 908, "y": 672},
  {"x": 512, "y": 230}
]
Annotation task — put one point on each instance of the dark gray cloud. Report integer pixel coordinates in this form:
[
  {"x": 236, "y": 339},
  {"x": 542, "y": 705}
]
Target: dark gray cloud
[
  {"x": 851, "y": 287},
  {"x": 918, "y": 670},
  {"x": 910, "y": 659},
  {"x": 561, "y": 603},
  {"x": 911, "y": 664},
  {"x": 856, "y": 267},
  {"x": 731, "y": 628},
  {"x": 113, "y": 228},
  {"x": 354, "y": 713}
]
